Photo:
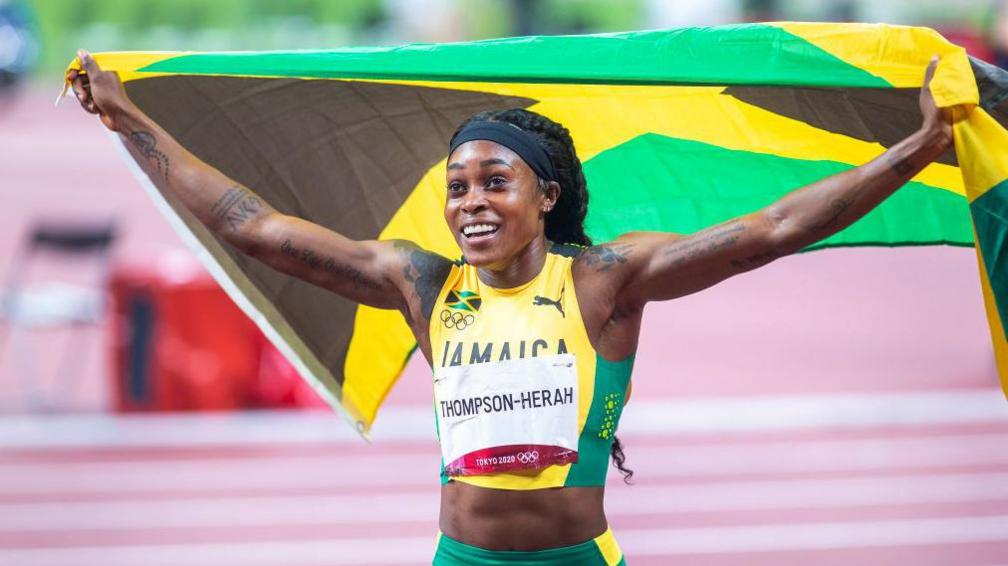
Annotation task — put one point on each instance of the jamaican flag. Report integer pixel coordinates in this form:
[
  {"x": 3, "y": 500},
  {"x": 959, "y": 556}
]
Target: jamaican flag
[{"x": 678, "y": 130}]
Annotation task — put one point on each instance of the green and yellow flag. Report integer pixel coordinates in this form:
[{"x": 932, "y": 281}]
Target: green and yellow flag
[{"x": 678, "y": 130}]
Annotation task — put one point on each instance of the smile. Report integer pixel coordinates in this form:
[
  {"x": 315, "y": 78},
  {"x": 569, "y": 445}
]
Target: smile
[{"x": 479, "y": 230}]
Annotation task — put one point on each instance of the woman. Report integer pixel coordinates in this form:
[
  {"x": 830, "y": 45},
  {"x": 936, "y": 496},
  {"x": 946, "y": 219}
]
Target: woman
[{"x": 531, "y": 335}]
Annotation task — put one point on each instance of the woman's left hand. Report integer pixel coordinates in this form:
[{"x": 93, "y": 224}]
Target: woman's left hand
[{"x": 937, "y": 121}]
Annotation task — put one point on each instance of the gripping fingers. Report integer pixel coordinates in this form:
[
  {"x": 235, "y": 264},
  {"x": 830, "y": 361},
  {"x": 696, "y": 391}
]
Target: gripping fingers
[
  {"x": 82, "y": 90},
  {"x": 930, "y": 71}
]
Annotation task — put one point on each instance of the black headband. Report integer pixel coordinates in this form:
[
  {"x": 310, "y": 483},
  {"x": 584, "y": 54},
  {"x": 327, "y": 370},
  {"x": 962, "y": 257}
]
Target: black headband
[{"x": 512, "y": 137}]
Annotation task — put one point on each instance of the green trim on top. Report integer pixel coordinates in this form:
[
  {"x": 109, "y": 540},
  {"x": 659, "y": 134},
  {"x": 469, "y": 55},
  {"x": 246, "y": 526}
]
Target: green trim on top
[
  {"x": 752, "y": 54},
  {"x": 595, "y": 442},
  {"x": 990, "y": 217}
]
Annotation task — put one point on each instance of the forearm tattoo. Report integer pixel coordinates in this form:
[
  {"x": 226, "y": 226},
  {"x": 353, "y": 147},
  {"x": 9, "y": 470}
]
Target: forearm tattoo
[
  {"x": 837, "y": 207},
  {"x": 319, "y": 262},
  {"x": 237, "y": 206},
  {"x": 426, "y": 272},
  {"x": 146, "y": 144},
  {"x": 901, "y": 165},
  {"x": 603, "y": 257},
  {"x": 689, "y": 249}
]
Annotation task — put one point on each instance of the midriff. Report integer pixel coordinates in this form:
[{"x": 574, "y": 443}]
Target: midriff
[{"x": 501, "y": 519}]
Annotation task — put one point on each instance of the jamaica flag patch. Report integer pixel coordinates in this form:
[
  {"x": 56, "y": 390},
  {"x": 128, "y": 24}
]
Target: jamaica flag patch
[{"x": 463, "y": 301}]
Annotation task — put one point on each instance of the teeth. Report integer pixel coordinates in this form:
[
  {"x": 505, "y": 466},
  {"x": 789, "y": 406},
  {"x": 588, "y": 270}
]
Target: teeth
[{"x": 478, "y": 229}]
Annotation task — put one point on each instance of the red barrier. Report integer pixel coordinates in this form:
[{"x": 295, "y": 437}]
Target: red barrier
[{"x": 180, "y": 344}]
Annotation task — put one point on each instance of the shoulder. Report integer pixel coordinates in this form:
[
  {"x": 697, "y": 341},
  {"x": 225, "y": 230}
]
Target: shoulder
[
  {"x": 600, "y": 272},
  {"x": 613, "y": 266},
  {"x": 626, "y": 252},
  {"x": 423, "y": 274},
  {"x": 412, "y": 253}
]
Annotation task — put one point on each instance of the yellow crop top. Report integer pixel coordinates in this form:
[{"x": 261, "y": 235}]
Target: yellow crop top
[{"x": 475, "y": 323}]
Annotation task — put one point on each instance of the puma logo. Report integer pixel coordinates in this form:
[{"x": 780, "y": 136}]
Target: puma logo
[{"x": 539, "y": 301}]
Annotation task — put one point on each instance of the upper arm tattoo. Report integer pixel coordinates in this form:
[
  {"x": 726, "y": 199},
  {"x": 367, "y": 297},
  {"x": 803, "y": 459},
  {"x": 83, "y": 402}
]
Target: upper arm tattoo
[
  {"x": 319, "y": 262},
  {"x": 604, "y": 256},
  {"x": 688, "y": 249},
  {"x": 426, "y": 272},
  {"x": 236, "y": 206}
]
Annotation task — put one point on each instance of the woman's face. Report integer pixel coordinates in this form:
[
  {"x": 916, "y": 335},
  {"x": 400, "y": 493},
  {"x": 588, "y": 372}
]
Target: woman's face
[{"x": 494, "y": 206}]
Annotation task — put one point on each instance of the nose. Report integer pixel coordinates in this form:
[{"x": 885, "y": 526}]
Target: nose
[{"x": 473, "y": 202}]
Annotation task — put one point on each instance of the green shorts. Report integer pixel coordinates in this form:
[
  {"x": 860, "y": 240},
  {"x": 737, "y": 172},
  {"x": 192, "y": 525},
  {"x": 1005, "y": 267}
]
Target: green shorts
[{"x": 600, "y": 551}]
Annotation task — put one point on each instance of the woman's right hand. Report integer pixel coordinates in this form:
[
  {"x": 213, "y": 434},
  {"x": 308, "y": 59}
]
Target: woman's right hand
[
  {"x": 937, "y": 124},
  {"x": 99, "y": 92}
]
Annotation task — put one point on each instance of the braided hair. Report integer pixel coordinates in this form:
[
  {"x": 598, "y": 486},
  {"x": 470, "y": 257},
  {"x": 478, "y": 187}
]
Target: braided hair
[{"x": 565, "y": 223}]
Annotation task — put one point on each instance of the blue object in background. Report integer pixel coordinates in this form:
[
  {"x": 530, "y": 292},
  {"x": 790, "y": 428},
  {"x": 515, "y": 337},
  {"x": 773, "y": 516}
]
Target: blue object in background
[{"x": 19, "y": 45}]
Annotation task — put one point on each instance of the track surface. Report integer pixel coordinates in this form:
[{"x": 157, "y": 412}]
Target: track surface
[
  {"x": 834, "y": 408},
  {"x": 928, "y": 487}
]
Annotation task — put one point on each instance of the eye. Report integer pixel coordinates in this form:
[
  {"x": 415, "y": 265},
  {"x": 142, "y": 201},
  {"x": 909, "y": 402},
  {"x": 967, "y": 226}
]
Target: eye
[
  {"x": 456, "y": 187},
  {"x": 496, "y": 181}
]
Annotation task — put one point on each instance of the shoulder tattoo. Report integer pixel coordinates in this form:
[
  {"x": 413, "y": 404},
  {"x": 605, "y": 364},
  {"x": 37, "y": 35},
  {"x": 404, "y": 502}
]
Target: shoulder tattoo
[
  {"x": 604, "y": 256},
  {"x": 426, "y": 272}
]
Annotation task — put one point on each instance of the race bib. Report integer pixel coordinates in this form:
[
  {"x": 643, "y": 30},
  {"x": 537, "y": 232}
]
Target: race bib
[{"x": 510, "y": 415}]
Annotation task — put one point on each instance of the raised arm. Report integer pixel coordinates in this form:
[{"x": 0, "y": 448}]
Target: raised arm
[
  {"x": 658, "y": 266},
  {"x": 383, "y": 274}
]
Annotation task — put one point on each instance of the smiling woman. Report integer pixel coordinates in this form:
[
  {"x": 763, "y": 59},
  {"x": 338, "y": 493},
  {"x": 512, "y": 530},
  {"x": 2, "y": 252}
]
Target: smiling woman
[
  {"x": 531, "y": 335},
  {"x": 516, "y": 203}
]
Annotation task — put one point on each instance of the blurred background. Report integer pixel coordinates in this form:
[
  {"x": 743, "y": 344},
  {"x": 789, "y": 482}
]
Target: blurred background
[{"x": 836, "y": 407}]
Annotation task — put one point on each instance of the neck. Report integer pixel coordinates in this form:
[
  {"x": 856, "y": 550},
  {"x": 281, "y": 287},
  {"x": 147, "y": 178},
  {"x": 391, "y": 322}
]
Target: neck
[{"x": 520, "y": 269}]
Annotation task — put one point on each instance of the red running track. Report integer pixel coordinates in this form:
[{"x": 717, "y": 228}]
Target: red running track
[{"x": 926, "y": 486}]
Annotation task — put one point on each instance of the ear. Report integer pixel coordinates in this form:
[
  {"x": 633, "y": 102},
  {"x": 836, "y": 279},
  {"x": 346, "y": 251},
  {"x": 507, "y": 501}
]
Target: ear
[{"x": 550, "y": 195}]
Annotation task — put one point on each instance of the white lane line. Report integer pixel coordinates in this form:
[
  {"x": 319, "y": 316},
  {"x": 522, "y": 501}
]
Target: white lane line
[
  {"x": 842, "y": 455},
  {"x": 380, "y": 470},
  {"x": 388, "y": 550},
  {"x": 342, "y": 472},
  {"x": 636, "y": 542},
  {"x": 810, "y": 536},
  {"x": 806, "y": 412},
  {"x": 209, "y": 512},
  {"x": 810, "y": 494},
  {"x": 719, "y": 415},
  {"x": 423, "y": 506}
]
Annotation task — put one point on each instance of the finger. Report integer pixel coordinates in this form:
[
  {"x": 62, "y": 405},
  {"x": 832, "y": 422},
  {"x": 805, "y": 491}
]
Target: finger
[
  {"x": 82, "y": 82},
  {"x": 79, "y": 93},
  {"x": 87, "y": 61},
  {"x": 930, "y": 71},
  {"x": 82, "y": 93},
  {"x": 71, "y": 75}
]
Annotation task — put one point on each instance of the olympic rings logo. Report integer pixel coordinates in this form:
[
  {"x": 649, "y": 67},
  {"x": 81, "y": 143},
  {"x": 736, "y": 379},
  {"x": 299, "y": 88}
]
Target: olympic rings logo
[
  {"x": 455, "y": 319},
  {"x": 528, "y": 457}
]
